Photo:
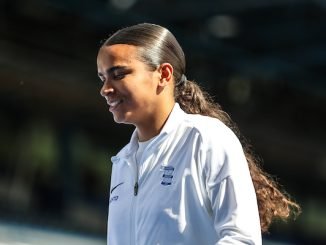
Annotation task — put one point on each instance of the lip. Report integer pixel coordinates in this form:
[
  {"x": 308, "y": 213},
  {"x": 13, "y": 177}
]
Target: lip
[{"x": 113, "y": 104}]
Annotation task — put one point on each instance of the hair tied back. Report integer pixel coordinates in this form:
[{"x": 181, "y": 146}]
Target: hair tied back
[{"x": 182, "y": 80}]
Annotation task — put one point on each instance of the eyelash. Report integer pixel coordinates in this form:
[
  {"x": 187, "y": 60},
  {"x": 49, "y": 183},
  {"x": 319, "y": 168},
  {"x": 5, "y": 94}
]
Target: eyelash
[
  {"x": 118, "y": 76},
  {"x": 114, "y": 77}
]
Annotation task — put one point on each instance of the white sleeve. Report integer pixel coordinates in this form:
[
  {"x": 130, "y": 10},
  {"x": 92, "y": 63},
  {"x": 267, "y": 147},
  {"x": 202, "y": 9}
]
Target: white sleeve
[{"x": 230, "y": 190}]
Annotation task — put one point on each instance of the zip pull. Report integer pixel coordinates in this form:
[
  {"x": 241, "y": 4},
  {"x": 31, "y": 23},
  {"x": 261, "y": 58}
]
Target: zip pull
[{"x": 136, "y": 189}]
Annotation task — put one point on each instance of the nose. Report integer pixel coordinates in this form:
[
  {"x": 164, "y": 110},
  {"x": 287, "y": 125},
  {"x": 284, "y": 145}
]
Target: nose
[{"x": 106, "y": 89}]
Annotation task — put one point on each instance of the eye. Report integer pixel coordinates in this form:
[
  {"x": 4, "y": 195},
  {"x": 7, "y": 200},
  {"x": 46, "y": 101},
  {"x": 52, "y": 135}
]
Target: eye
[
  {"x": 118, "y": 73},
  {"x": 118, "y": 76}
]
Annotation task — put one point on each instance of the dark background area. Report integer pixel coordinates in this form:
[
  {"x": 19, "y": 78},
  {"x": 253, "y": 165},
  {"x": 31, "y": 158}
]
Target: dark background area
[{"x": 263, "y": 61}]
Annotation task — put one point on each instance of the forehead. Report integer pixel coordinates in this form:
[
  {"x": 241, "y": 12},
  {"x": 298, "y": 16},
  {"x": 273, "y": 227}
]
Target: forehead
[{"x": 121, "y": 54}]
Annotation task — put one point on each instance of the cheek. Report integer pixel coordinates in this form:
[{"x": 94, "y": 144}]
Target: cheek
[
  {"x": 144, "y": 95},
  {"x": 146, "y": 98},
  {"x": 140, "y": 90}
]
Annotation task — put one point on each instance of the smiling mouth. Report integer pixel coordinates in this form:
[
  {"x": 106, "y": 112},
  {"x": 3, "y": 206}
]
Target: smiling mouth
[{"x": 114, "y": 104}]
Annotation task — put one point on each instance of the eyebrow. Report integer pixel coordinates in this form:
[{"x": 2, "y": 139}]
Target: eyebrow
[{"x": 112, "y": 70}]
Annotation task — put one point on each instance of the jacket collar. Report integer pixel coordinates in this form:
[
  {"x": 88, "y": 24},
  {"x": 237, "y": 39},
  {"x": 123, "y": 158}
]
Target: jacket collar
[{"x": 175, "y": 118}]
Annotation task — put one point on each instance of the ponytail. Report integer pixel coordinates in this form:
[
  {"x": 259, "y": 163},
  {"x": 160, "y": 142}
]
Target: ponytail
[{"x": 273, "y": 203}]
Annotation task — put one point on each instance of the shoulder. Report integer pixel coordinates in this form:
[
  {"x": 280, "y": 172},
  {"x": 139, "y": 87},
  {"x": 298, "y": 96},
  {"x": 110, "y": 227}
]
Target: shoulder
[
  {"x": 211, "y": 130},
  {"x": 220, "y": 152}
]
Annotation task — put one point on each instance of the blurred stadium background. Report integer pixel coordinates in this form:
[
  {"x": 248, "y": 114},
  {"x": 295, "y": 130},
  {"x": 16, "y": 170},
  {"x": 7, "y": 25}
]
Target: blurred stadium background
[{"x": 264, "y": 61}]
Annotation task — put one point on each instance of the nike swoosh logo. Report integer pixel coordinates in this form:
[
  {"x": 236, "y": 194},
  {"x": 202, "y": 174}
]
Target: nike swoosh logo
[{"x": 116, "y": 187}]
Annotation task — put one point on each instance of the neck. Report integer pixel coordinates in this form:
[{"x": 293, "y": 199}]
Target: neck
[{"x": 153, "y": 127}]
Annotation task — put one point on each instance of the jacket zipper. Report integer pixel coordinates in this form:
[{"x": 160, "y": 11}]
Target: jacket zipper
[
  {"x": 136, "y": 188},
  {"x": 133, "y": 206},
  {"x": 134, "y": 201}
]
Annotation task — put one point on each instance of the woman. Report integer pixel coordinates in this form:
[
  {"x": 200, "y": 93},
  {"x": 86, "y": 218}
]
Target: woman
[{"x": 184, "y": 177}]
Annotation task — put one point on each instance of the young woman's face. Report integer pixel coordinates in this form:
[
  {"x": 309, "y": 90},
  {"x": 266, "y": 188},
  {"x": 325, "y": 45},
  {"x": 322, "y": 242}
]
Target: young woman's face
[{"x": 129, "y": 87}]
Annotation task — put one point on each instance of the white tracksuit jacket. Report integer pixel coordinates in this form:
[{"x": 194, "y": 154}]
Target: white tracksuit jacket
[{"x": 192, "y": 186}]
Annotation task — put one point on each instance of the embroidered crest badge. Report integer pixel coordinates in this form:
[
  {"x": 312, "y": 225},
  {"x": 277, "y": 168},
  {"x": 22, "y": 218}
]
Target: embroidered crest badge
[{"x": 167, "y": 175}]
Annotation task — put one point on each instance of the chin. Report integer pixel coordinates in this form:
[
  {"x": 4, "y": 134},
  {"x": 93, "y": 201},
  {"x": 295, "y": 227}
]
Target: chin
[
  {"x": 122, "y": 119},
  {"x": 118, "y": 120}
]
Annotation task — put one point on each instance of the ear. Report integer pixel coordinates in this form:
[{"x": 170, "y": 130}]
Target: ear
[{"x": 166, "y": 74}]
